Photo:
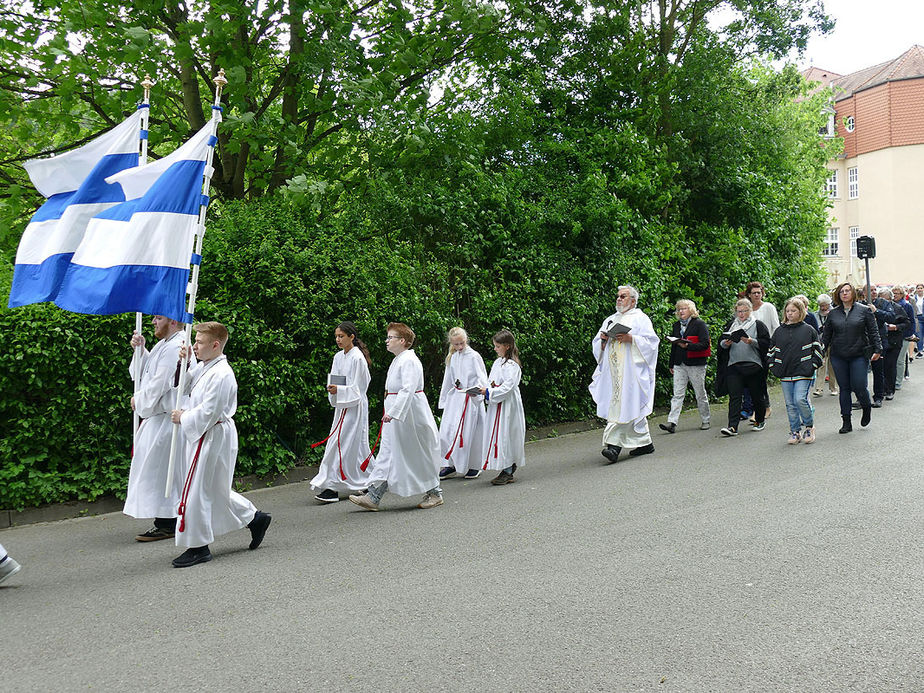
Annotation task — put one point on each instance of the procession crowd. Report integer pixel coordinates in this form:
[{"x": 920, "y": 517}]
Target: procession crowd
[{"x": 483, "y": 424}]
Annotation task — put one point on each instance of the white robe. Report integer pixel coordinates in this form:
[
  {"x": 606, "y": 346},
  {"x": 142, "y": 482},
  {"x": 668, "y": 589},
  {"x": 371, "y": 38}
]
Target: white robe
[
  {"x": 505, "y": 430},
  {"x": 409, "y": 455},
  {"x": 623, "y": 384},
  {"x": 212, "y": 507},
  {"x": 155, "y": 398},
  {"x": 348, "y": 445},
  {"x": 462, "y": 443}
]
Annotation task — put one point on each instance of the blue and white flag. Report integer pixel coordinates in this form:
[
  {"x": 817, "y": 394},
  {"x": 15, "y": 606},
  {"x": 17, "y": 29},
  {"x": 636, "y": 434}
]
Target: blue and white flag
[
  {"x": 76, "y": 188},
  {"x": 135, "y": 256}
]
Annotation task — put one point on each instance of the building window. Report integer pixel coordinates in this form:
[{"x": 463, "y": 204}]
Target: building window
[
  {"x": 831, "y": 243},
  {"x": 831, "y": 186},
  {"x": 849, "y": 124},
  {"x": 853, "y": 183},
  {"x": 854, "y": 235}
]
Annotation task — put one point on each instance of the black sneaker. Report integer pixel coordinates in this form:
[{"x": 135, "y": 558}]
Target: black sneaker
[
  {"x": 472, "y": 474},
  {"x": 669, "y": 427},
  {"x": 502, "y": 478},
  {"x": 447, "y": 473},
  {"x": 611, "y": 452},
  {"x": 191, "y": 557},
  {"x": 155, "y": 534},
  {"x": 877, "y": 404},
  {"x": 257, "y": 527},
  {"x": 328, "y": 495},
  {"x": 644, "y": 450}
]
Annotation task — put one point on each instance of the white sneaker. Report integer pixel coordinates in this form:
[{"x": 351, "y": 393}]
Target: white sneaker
[
  {"x": 430, "y": 501},
  {"x": 8, "y": 568},
  {"x": 705, "y": 426},
  {"x": 364, "y": 501},
  {"x": 794, "y": 438}
]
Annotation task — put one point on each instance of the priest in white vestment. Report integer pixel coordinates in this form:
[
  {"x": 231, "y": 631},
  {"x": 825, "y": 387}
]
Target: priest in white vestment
[
  {"x": 153, "y": 400},
  {"x": 209, "y": 507},
  {"x": 623, "y": 384}
]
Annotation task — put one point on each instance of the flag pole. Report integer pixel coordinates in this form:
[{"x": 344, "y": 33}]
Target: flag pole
[
  {"x": 142, "y": 160},
  {"x": 220, "y": 81}
]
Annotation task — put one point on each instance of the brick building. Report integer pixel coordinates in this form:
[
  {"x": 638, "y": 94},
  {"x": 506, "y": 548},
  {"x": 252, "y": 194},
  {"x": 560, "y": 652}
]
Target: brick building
[{"x": 876, "y": 186}]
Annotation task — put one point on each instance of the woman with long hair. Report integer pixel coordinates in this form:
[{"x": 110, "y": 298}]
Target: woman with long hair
[
  {"x": 852, "y": 336},
  {"x": 505, "y": 433},
  {"x": 462, "y": 425},
  {"x": 348, "y": 441}
]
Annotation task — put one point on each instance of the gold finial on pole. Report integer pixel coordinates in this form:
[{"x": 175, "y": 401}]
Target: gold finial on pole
[
  {"x": 220, "y": 81},
  {"x": 147, "y": 83}
]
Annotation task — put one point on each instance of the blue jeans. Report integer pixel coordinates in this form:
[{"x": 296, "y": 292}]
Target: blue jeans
[
  {"x": 919, "y": 331},
  {"x": 851, "y": 377},
  {"x": 798, "y": 409},
  {"x": 376, "y": 492}
]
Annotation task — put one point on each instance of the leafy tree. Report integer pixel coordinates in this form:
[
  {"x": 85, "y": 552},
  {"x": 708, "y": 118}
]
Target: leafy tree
[{"x": 306, "y": 77}]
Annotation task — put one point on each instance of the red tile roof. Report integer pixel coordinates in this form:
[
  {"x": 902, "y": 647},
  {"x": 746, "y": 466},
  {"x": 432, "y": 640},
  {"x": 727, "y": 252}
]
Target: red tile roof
[{"x": 908, "y": 65}]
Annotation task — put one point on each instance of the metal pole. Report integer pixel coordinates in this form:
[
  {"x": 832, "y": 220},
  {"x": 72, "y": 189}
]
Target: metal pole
[
  {"x": 142, "y": 160},
  {"x": 220, "y": 81}
]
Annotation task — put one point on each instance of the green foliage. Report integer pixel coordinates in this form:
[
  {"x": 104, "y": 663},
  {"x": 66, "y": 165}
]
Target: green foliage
[
  {"x": 567, "y": 150},
  {"x": 64, "y": 416}
]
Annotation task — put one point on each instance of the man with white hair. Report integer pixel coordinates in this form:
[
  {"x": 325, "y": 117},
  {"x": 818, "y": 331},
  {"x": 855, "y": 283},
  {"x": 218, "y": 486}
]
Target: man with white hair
[
  {"x": 623, "y": 385},
  {"x": 824, "y": 371}
]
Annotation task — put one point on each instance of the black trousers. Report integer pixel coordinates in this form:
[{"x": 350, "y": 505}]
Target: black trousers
[
  {"x": 878, "y": 369},
  {"x": 890, "y": 367},
  {"x": 752, "y": 377}
]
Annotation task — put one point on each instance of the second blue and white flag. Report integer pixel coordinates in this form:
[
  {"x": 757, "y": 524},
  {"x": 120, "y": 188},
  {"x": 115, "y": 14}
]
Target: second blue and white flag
[{"x": 136, "y": 255}]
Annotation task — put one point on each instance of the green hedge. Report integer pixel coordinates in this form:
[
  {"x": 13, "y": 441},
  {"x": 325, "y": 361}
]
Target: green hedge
[{"x": 282, "y": 280}]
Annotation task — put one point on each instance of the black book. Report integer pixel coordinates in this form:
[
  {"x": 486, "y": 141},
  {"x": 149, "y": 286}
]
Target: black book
[
  {"x": 616, "y": 329},
  {"x": 734, "y": 336}
]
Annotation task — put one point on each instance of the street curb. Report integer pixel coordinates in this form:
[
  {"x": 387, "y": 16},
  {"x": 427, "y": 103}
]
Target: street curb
[{"x": 110, "y": 504}]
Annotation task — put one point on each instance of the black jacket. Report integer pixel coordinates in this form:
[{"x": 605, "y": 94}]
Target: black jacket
[
  {"x": 796, "y": 351},
  {"x": 889, "y": 312},
  {"x": 849, "y": 335},
  {"x": 721, "y": 371},
  {"x": 695, "y": 354}
]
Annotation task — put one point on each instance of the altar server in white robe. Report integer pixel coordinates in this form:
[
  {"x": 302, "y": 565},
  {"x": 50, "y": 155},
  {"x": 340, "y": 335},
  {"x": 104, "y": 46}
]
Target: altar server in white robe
[
  {"x": 623, "y": 384},
  {"x": 462, "y": 425},
  {"x": 208, "y": 505},
  {"x": 408, "y": 461},
  {"x": 153, "y": 400},
  {"x": 505, "y": 432},
  {"x": 348, "y": 440}
]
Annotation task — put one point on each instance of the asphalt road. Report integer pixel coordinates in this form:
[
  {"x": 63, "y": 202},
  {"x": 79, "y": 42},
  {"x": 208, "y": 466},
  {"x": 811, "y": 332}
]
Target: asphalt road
[{"x": 712, "y": 565}]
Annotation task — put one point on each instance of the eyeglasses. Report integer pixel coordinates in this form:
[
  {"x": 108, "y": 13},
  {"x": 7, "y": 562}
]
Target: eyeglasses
[{"x": 390, "y": 337}]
